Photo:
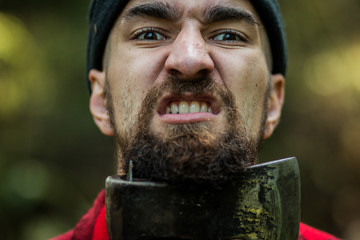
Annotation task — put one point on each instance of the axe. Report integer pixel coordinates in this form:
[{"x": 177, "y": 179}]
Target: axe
[{"x": 262, "y": 203}]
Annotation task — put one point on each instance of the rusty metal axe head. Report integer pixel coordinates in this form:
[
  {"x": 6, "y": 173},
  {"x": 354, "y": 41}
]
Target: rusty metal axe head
[{"x": 263, "y": 203}]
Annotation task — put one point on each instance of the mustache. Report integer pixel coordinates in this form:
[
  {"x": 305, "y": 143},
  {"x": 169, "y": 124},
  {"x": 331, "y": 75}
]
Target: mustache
[
  {"x": 179, "y": 86},
  {"x": 196, "y": 86}
]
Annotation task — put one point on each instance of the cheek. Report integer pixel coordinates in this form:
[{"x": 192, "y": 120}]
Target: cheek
[
  {"x": 131, "y": 75},
  {"x": 243, "y": 69},
  {"x": 246, "y": 75},
  {"x": 142, "y": 65},
  {"x": 127, "y": 94}
]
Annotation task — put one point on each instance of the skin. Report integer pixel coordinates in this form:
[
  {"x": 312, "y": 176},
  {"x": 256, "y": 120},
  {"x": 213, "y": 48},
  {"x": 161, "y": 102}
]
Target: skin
[{"x": 187, "y": 45}]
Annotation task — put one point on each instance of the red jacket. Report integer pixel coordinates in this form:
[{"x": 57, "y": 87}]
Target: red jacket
[{"x": 92, "y": 226}]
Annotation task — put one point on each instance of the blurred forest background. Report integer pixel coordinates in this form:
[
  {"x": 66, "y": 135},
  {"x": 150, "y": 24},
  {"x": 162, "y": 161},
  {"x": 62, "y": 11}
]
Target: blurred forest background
[{"x": 54, "y": 161}]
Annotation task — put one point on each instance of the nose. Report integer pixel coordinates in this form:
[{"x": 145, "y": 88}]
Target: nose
[{"x": 188, "y": 55}]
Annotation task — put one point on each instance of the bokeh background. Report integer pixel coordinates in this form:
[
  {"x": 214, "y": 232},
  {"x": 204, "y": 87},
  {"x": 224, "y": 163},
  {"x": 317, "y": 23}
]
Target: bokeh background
[{"x": 54, "y": 161}]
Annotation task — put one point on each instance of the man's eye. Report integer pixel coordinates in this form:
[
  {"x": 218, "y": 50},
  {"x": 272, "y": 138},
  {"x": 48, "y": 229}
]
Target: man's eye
[
  {"x": 150, "y": 35},
  {"x": 229, "y": 36}
]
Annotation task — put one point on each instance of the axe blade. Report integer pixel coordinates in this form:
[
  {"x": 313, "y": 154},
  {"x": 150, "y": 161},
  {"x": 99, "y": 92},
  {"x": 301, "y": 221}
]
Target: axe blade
[{"x": 263, "y": 203}]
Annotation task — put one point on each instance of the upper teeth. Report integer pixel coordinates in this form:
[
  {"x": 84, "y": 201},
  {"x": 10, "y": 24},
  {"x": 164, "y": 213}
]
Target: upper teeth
[{"x": 186, "y": 107}]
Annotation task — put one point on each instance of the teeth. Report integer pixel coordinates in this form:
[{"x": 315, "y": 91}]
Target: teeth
[
  {"x": 195, "y": 107},
  {"x": 174, "y": 108},
  {"x": 203, "y": 107},
  {"x": 184, "y": 107}
]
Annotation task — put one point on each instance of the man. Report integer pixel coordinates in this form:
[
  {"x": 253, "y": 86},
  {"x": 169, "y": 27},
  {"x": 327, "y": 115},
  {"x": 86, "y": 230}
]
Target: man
[{"x": 188, "y": 88}]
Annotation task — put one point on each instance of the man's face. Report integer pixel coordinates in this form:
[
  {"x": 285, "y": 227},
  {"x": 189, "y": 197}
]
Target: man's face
[{"x": 187, "y": 75}]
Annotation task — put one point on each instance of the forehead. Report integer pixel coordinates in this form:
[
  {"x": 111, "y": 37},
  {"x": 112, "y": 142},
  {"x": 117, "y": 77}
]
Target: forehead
[{"x": 193, "y": 8}]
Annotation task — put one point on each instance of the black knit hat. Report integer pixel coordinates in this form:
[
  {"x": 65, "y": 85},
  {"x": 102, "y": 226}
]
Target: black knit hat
[{"x": 103, "y": 14}]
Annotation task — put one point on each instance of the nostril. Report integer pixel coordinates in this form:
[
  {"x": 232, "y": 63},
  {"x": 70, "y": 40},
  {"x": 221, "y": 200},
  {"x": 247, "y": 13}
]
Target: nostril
[
  {"x": 175, "y": 73},
  {"x": 202, "y": 74}
]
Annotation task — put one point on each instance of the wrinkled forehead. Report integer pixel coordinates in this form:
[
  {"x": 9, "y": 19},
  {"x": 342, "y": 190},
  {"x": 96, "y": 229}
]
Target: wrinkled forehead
[{"x": 190, "y": 8}]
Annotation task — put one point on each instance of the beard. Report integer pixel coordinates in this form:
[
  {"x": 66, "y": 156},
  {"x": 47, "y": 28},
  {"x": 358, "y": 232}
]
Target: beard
[{"x": 190, "y": 152}]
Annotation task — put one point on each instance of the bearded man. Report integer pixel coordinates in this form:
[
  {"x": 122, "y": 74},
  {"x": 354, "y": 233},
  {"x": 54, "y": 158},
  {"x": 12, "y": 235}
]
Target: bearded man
[{"x": 188, "y": 88}]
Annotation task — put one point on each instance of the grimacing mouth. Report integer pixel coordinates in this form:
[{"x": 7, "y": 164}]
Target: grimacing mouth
[{"x": 188, "y": 103}]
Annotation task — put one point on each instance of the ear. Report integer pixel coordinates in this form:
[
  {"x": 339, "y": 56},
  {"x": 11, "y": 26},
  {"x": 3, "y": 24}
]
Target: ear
[
  {"x": 98, "y": 106},
  {"x": 275, "y": 103}
]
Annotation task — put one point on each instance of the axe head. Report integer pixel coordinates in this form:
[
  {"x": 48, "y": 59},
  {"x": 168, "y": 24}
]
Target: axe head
[{"x": 263, "y": 203}]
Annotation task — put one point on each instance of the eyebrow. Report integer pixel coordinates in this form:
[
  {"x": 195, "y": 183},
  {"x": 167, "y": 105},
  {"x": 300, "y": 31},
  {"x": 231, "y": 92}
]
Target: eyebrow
[
  {"x": 222, "y": 13},
  {"x": 157, "y": 10}
]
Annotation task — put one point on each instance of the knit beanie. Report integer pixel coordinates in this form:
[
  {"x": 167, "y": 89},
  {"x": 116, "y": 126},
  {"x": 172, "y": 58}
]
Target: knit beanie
[{"x": 103, "y": 14}]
